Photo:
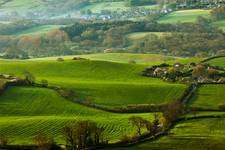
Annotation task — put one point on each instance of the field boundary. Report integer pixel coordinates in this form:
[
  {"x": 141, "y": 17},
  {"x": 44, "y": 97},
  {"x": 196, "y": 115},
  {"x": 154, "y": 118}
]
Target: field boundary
[{"x": 211, "y": 58}]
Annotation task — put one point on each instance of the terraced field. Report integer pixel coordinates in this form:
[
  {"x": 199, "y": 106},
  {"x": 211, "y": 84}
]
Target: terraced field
[
  {"x": 218, "y": 62},
  {"x": 27, "y": 111},
  {"x": 198, "y": 134},
  {"x": 209, "y": 96},
  {"x": 106, "y": 84},
  {"x": 184, "y": 16}
]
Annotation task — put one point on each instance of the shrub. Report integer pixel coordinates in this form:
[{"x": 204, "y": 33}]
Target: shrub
[
  {"x": 132, "y": 62},
  {"x": 44, "y": 83},
  {"x": 43, "y": 142},
  {"x": 60, "y": 59},
  {"x": 3, "y": 140}
]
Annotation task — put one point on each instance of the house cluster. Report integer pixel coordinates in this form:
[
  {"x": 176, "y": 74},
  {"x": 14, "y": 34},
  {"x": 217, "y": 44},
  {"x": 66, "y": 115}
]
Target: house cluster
[
  {"x": 189, "y": 73},
  {"x": 118, "y": 15}
]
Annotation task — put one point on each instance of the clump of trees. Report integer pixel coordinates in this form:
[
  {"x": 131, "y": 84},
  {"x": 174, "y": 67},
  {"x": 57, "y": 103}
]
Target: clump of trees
[
  {"x": 3, "y": 140},
  {"x": 172, "y": 112},
  {"x": 29, "y": 78},
  {"x": 218, "y": 13},
  {"x": 152, "y": 128},
  {"x": 43, "y": 142},
  {"x": 83, "y": 134},
  {"x": 140, "y": 2}
]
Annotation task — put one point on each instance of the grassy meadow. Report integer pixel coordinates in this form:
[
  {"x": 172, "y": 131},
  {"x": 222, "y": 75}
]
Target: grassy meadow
[
  {"x": 107, "y": 84},
  {"x": 37, "y": 30},
  {"x": 218, "y": 62},
  {"x": 141, "y": 59},
  {"x": 26, "y": 112},
  {"x": 209, "y": 96},
  {"x": 184, "y": 16},
  {"x": 200, "y": 134},
  {"x": 219, "y": 24}
]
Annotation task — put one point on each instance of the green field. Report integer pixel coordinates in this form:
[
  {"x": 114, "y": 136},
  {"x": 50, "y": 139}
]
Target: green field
[
  {"x": 143, "y": 59},
  {"x": 113, "y": 6},
  {"x": 22, "y": 5},
  {"x": 209, "y": 96},
  {"x": 140, "y": 35},
  {"x": 38, "y": 30},
  {"x": 103, "y": 83},
  {"x": 184, "y": 16},
  {"x": 26, "y": 112},
  {"x": 220, "y": 24},
  {"x": 198, "y": 134},
  {"x": 218, "y": 62}
]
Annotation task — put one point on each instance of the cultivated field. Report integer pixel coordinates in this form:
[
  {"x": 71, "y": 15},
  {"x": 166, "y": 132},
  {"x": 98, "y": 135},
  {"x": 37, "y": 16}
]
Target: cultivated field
[
  {"x": 218, "y": 62},
  {"x": 26, "y": 112},
  {"x": 198, "y": 134},
  {"x": 184, "y": 16}
]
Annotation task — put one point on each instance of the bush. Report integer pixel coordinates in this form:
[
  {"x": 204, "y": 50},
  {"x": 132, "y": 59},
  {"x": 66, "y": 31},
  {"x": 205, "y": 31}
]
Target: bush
[
  {"x": 60, "y": 59},
  {"x": 132, "y": 62},
  {"x": 43, "y": 142},
  {"x": 3, "y": 140},
  {"x": 44, "y": 83}
]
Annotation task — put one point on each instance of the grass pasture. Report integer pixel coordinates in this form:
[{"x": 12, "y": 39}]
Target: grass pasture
[
  {"x": 27, "y": 111},
  {"x": 184, "y": 16},
  {"x": 220, "y": 24},
  {"x": 107, "y": 84},
  {"x": 209, "y": 96},
  {"x": 142, "y": 59},
  {"x": 218, "y": 62},
  {"x": 140, "y": 35},
  {"x": 198, "y": 134}
]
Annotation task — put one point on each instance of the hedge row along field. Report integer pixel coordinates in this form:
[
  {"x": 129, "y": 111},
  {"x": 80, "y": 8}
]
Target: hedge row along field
[
  {"x": 209, "y": 97},
  {"x": 198, "y": 134},
  {"x": 103, "y": 83},
  {"x": 27, "y": 111}
]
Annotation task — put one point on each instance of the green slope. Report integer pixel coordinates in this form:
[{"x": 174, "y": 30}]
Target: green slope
[
  {"x": 209, "y": 96},
  {"x": 218, "y": 62},
  {"x": 145, "y": 59},
  {"x": 26, "y": 112},
  {"x": 104, "y": 83},
  {"x": 184, "y": 16},
  {"x": 199, "y": 134}
]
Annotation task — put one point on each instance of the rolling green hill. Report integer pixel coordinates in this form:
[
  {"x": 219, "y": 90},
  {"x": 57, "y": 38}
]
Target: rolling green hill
[
  {"x": 106, "y": 84},
  {"x": 26, "y": 112},
  {"x": 143, "y": 59},
  {"x": 184, "y": 16}
]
